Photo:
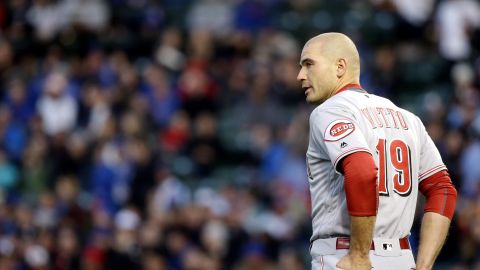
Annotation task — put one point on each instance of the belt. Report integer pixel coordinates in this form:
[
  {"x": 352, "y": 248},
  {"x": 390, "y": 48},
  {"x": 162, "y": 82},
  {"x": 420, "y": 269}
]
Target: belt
[{"x": 344, "y": 243}]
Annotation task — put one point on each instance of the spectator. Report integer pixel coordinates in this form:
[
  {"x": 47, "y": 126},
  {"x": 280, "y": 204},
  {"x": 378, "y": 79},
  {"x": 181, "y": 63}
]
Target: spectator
[
  {"x": 56, "y": 107},
  {"x": 213, "y": 16},
  {"x": 48, "y": 18},
  {"x": 456, "y": 20},
  {"x": 8, "y": 173},
  {"x": 89, "y": 14},
  {"x": 169, "y": 53}
]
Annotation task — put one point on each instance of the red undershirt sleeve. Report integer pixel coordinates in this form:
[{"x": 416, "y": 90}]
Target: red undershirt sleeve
[
  {"x": 360, "y": 173},
  {"x": 440, "y": 194}
]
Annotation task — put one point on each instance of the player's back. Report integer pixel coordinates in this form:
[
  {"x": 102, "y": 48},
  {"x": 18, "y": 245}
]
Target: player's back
[{"x": 402, "y": 150}]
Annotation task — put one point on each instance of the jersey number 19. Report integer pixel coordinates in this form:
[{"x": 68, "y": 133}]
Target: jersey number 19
[{"x": 394, "y": 167}]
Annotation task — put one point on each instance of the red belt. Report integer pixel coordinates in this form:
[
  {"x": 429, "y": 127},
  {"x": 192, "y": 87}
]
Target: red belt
[{"x": 344, "y": 243}]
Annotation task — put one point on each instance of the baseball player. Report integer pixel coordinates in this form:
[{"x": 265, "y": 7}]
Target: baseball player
[{"x": 367, "y": 159}]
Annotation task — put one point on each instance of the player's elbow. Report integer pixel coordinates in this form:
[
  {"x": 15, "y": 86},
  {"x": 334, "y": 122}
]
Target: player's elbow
[
  {"x": 452, "y": 192},
  {"x": 442, "y": 201},
  {"x": 440, "y": 194}
]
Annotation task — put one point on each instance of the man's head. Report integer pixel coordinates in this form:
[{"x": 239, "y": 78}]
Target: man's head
[{"x": 328, "y": 62}]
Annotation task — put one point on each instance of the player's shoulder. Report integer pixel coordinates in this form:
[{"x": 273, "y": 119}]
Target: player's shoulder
[
  {"x": 331, "y": 105},
  {"x": 332, "y": 108},
  {"x": 339, "y": 101},
  {"x": 346, "y": 102},
  {"x": 406, "y": 114},
  {"x": 384, "y": 102}
]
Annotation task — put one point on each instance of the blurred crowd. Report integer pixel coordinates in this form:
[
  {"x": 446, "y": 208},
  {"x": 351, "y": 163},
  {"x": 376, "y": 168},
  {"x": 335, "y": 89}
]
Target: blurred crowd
[{"x": 154, "y": 135}]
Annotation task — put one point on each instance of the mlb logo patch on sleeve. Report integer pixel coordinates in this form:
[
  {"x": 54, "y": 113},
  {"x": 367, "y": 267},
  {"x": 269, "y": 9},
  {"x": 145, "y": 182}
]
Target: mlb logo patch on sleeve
[{"x": 338, "y": 129}]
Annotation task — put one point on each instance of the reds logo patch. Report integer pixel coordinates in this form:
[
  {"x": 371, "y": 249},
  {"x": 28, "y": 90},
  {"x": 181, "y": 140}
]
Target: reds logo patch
[{"x": 338, "y": 129}]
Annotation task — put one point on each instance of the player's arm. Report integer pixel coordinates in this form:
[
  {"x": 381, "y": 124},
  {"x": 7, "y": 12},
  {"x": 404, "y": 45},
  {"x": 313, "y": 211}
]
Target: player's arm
[
  {"x": 360, "y": 173},
  {"x": 441, "y": 197}
]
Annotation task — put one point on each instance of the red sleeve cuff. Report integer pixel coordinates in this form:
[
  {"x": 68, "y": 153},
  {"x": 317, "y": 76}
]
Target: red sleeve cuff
[
  {"x": 440, "y": 193},
  {"x": 360, "y": 173}
]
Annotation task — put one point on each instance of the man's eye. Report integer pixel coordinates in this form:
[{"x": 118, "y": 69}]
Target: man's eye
[{"x": 308, "y": 64}]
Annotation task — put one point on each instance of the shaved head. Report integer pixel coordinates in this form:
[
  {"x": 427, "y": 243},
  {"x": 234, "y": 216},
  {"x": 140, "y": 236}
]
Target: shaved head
[
  {"x": 336, "y": 46},
  {"x": 328, "y": 62}
]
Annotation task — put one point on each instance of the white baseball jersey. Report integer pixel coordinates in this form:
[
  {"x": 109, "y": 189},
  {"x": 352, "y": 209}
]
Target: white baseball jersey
[{"x": 353, "y": 121}]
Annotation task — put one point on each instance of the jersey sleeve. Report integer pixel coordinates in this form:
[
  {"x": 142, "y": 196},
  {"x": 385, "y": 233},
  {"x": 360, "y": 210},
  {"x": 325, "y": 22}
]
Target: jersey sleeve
[
  {"x": 337, "y": 132},
  {"x": 430, "y": 159}
]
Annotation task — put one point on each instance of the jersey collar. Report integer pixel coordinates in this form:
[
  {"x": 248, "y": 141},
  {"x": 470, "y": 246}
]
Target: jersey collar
[{"x": 351, "y": 86}]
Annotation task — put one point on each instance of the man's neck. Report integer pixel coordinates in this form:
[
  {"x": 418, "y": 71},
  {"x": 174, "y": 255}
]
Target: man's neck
[{"x": 344, "y": 85}]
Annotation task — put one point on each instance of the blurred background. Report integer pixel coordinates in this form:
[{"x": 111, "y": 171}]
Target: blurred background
[{"x": 142, "y": 134}]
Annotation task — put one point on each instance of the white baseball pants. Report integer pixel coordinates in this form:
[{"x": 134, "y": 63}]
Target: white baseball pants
[{"x": 387, "y": 254}]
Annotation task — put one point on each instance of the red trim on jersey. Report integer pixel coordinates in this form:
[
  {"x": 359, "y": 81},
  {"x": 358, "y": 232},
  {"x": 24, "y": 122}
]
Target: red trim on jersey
[
  {"x": 348, "y": 86},
  {"x": 440, "y": 167},
  {"x": 360, "y": 173},
  {"x": 343, "y": 154},
  {"x": 440, "y": 193}
]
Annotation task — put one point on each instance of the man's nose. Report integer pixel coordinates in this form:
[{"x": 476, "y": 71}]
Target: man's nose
[{"x": 301, "y": 75}]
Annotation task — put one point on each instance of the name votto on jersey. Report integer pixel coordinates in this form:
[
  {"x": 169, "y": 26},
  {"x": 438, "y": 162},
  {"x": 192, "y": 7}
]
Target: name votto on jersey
[{"x": 379, "y": 117}]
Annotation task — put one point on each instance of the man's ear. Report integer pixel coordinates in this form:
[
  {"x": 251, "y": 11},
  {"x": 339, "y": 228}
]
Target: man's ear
[{"x": 341, "y": 67}]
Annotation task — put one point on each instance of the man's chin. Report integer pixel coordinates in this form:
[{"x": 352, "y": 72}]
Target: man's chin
[{"x": 312, "y": 100}]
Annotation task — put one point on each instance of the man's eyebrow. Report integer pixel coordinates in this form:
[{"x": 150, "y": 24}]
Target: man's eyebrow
[{"x": 303, "y": 61}]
